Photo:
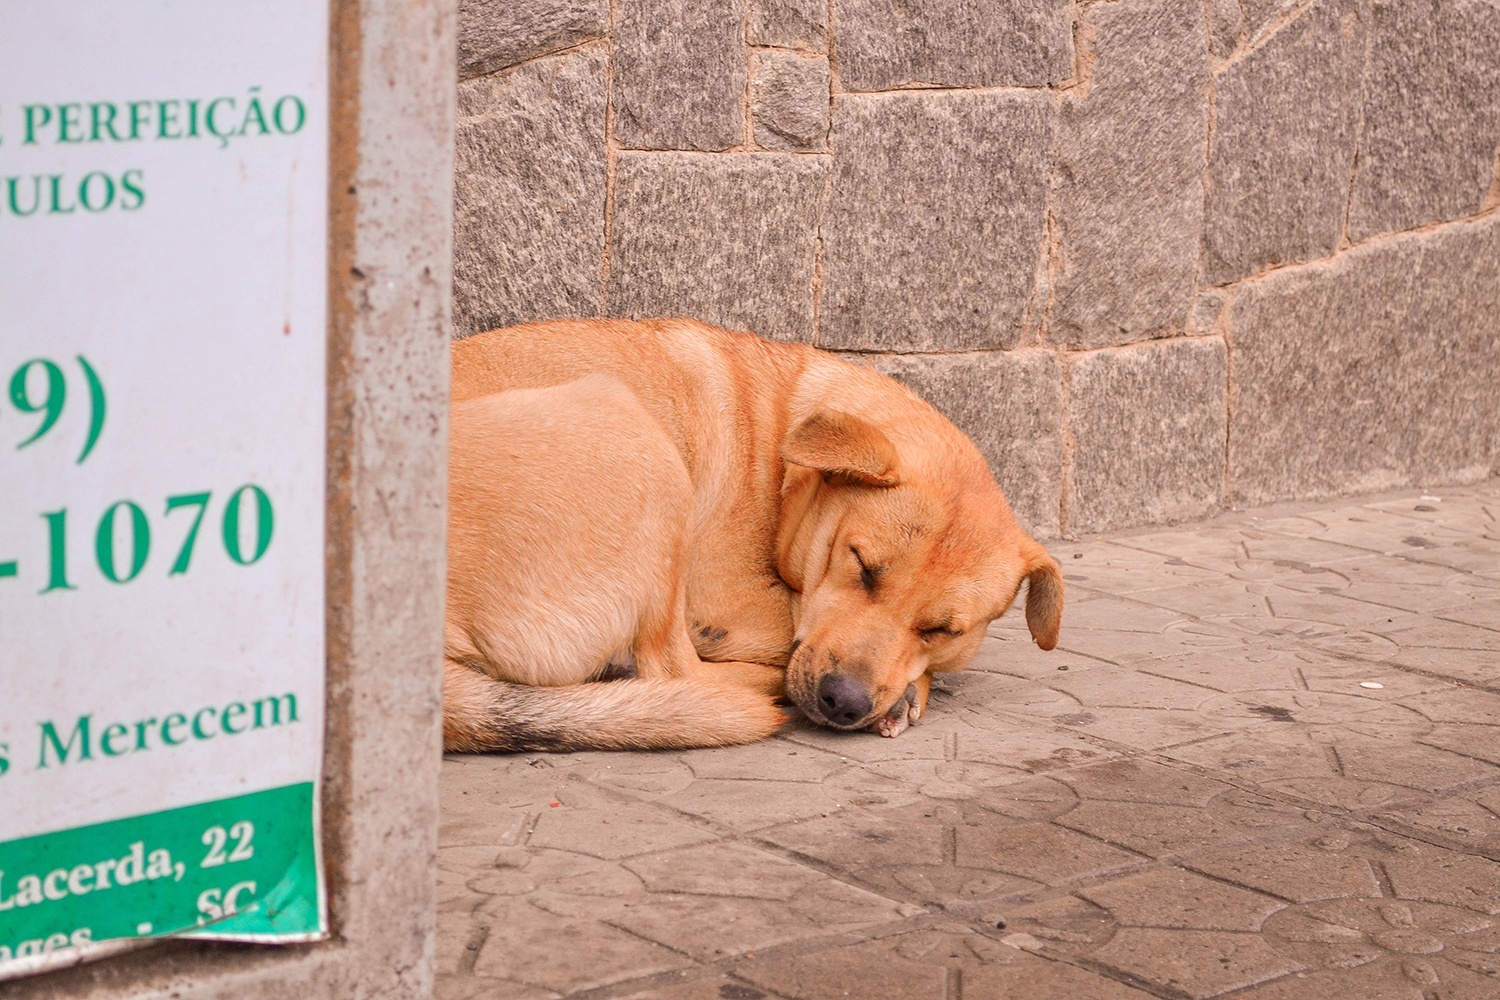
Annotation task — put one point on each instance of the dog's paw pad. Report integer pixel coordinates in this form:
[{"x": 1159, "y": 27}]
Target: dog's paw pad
[{"x": 902, "y": 714}]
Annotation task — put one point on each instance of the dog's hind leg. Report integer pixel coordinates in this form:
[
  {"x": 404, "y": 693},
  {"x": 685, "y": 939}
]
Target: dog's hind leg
[
  {"x": 769, "y": 681},
  {"x": 668, "y": 651}
]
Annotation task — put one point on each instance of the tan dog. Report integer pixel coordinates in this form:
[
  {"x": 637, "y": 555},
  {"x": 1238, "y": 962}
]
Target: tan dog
[{"x": 832, "y": 523}]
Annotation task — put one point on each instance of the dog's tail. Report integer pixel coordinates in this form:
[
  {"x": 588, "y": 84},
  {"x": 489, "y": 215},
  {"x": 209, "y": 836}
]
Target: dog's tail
[{"x": 483, "y": 714}]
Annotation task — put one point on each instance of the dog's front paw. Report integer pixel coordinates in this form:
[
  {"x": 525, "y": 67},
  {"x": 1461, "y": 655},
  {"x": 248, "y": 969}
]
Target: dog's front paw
[{"x": 908, "y": 709}]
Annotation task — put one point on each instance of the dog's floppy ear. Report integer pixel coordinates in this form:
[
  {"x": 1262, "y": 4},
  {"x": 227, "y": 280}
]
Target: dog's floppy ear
[
  {"x": 1044, "y": 594},
  {"x": 842, "y": 447}
]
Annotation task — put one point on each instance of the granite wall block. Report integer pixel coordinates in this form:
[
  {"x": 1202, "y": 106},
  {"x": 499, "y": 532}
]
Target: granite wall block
[
  {"x": 789, "y": 102},
  {"x": 1372, "y": 371},
  {"x": 1431, "y": 117},
  {"x": 1129, "y": 180},
  {"x": 679, "y": 74},
  {"x": 789, "y": 24},
  {"x": 1147, "y": 427},
  {"x": 1282, "y": 151},
  {"x": 934, "y": 227},
  {"x": 495, "y": 34},
  {"x": 888, "y": 44},
  {"x": 529, "y": 191},
  {"x": 727, "y": 239}
]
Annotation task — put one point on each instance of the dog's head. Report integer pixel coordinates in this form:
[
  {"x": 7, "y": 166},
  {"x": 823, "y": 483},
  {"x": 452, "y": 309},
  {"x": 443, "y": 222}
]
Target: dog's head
[{"x": 903, "y": 554}]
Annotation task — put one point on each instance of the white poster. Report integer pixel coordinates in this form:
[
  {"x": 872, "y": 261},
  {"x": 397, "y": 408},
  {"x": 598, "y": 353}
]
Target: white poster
[{"x": 163, "y": 250}]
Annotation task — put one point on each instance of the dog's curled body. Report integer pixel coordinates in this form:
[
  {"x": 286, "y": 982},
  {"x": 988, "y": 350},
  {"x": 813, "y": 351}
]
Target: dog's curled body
[
  {"x": 569, "y": 512},
  {"x": 837, "y": 532}
]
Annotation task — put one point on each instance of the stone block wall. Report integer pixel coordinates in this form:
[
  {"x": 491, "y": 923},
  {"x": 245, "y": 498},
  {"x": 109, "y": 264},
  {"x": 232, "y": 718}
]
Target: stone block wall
[{"x": 1156, "y": 256}]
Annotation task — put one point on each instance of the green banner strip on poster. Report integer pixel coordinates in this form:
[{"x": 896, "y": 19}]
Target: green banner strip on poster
[{"x": 243, "y": 867}]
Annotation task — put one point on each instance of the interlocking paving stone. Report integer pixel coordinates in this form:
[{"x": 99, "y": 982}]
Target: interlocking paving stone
[
  {"x": 541, "y": 874},
  {"x": 1239, "y": 670},
  {"x": 613, "y": 832},
  {"x": 1482, "y": 742},
  {"x": 1299, "y": 873},
  {"x": 1458, "y": 705},
  {"x": 1205, "y": 802},
  {"x": 1044, "y": 979},
  {"x": 930, "y": 964},
  {"x": 1470, "y": 821},
  {"x": 714, "y": 927},
  {"x": 1431, "y": 873},
  {"x": 1415, "y": 767},
  {"x": 750, "y": 805},
  {"x": 1382, "y": 981},
  {"x": 510, "y": 952},
  {"x": 864, "y": 838},
  {"x": 1030, "y": 747},
  {"x": 1178, "y": 899},
  {"x": 1122, "y": 687},
  {"x": 1199, "y": 964},
  {"x": 1039, "y": 851},
  {"x": 722, "y": 870},
  {"x": 1141, "y": 728},
  {"x": 1165, "y": 830}
]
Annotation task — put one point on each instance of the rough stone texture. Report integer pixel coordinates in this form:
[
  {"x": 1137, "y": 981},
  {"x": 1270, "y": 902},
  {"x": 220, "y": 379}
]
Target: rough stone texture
[
  {"x": 679, "y": 74},
  {"x": 1011, "y": 405},
  {"x": 1264, "y": 16},
  {"x": 1372, "y": 371},
  {"x": 1282, "y": 150},
  {"x": 924, "y": 252},
  {"x": 1129, "y": 199},
  {"x": 1148, "y": 426},
  {"x": 494, "y": 34},
  {"x": 1031, "y": 836},
  {"x": 1431, "y": 120},
  {"x": 887, "y": 44},
  {"x": 1226, "y": 20},
  {"x": 529, "y": 193},
  {"x": 728, "y": 239},
  {"x": 789, "y": 101},
  {"x": 788, "y": 24}
]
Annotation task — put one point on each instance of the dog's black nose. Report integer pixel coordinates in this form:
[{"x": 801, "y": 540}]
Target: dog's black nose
[{"x": 843, "y": 699}]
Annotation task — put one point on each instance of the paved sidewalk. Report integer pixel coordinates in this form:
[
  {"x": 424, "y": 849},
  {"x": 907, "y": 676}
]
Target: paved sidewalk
[{"x": 1264, "y": 762}]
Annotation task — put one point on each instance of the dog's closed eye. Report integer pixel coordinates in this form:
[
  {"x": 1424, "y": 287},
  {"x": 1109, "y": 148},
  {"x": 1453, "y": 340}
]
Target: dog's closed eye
[
  {"x": 933, "y": 633},
  {"x": 868, "y": 575}
]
